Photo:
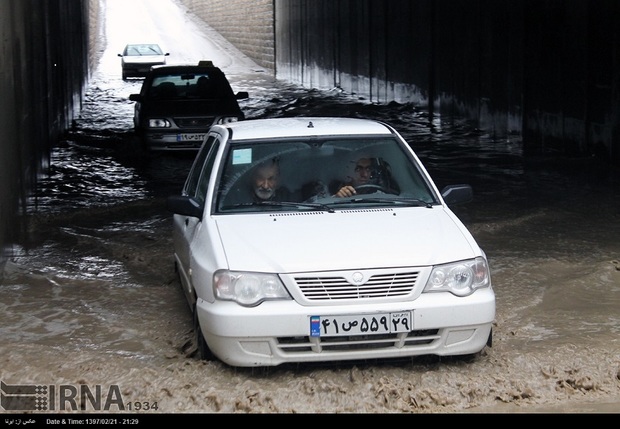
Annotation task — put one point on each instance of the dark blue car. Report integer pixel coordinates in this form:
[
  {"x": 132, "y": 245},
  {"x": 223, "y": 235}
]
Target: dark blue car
[{"x": 177, "y": 105}]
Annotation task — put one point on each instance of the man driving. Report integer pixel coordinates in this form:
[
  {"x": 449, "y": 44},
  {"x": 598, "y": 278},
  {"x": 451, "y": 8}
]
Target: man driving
[{"x": 363, "y": 173}]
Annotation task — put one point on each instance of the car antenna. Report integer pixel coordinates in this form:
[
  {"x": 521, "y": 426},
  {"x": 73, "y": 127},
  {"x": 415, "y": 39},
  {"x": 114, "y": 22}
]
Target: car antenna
[{"x": 310, "y": 124}]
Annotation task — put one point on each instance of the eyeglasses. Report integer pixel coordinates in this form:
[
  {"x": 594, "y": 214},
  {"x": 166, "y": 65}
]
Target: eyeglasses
[{"x": 366, "y": 169}]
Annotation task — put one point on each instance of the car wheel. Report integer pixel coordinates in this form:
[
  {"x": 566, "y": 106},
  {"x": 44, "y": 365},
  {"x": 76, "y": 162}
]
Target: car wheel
[
  {"x": 204, "y": 353},
  {"x": 141, "y": 141}
]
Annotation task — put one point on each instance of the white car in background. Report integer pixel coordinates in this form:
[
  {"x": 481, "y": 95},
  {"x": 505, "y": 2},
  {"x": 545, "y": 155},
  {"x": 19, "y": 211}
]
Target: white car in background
[
  {"x": 137, "y": 59},
  {"x": 387, "y": 272}
]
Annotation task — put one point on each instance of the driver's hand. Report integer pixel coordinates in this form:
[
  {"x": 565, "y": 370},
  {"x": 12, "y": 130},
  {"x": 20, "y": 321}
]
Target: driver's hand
[{"x": 345, "y": 191}]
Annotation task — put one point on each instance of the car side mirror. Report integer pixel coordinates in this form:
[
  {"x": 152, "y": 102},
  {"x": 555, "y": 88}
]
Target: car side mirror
[
  {"x": 241, "y": 95},
  {"x": 135, "y": 97},
  {"x": 457, "y": 194},
  {"x": 184, "y": 205}
]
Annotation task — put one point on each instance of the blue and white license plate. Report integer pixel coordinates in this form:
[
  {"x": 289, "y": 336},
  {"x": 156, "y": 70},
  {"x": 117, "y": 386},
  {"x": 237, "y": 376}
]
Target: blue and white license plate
[
  {"x": 190, "y": 137},
  {"x": 361, "y": 324}
]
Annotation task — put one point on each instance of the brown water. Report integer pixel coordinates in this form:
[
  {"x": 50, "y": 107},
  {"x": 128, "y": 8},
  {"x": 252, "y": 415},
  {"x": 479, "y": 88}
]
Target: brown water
[{"x": 90, "y": 296}]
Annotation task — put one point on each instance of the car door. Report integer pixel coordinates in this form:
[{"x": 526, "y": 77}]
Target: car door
[{"x": 184, "y": 227}]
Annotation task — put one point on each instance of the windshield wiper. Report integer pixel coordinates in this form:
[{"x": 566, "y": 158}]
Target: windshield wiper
[
  {"x": 314, "y": 206},
  {"x": 400, "y": 201}
]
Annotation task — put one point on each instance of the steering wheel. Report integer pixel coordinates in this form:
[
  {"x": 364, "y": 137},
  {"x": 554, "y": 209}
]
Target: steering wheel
[{"x": 369, "y": 188}]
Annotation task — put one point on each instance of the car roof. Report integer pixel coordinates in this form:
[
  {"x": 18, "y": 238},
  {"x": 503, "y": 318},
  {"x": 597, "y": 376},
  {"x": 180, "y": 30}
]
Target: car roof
[
  {"x": 305, "y": 127},
  {"x": 141, "y": 44},
  {"x": 184, "y": 68}
]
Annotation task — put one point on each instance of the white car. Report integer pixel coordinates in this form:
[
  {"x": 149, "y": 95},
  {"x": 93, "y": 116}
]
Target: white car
[
  {"x": 137, "y": 59},
  {"x": 345, "y": 251}
]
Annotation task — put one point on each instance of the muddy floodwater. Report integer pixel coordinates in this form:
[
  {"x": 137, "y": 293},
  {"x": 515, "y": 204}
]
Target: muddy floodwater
[{"x": 90, "y": 296}]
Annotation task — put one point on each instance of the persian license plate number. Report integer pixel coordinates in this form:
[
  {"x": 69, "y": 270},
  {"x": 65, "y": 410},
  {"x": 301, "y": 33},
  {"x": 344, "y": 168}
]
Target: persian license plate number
[
  {"x": 190, "y": 137},
  {"x": 362, "y": 324}
]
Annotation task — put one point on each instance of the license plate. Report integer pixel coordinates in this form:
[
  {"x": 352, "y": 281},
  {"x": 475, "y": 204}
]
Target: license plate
[
  {"x": 190, "y": 137},
  {"x": 362, "y": 324}
]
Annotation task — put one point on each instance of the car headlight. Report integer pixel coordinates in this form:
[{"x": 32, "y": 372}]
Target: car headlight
[
  {"x": 227, "y": 120},
  {"x": 248, "y": 289},
  {"x": 159, "y": 123},
  {"x": 460, "y": 278}
]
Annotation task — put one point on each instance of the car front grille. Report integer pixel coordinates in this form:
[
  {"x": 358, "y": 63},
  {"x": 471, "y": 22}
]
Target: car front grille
[
  {"x": 194, "y": 122},
  {"x": 354, "y": 343},
  {"x": 382, "y": 285},
  {"x": 141, "y": 66}
]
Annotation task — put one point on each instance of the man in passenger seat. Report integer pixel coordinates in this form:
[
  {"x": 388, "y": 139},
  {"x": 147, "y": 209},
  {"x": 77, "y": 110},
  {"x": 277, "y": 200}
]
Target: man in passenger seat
[{"x": 266, "y": 182}]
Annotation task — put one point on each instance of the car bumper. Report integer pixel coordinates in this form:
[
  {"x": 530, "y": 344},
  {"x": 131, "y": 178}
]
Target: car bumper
[
  {"x": 190, "y": 141},
  {"x": 138, "y": 70},
  {"x": 278, "y": 332}
]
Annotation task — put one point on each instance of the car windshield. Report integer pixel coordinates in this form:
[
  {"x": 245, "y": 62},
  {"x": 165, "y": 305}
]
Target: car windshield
[
  {"x": 202, "y": 85},
  {"x": 307, "y": 174},
  {"x": 141, "y": 50}
]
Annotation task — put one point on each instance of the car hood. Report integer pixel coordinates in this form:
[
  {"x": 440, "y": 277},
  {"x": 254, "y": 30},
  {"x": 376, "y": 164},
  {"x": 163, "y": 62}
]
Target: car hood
[
  {"x": 194, "y": 108},
  {"x": 321, "y": 241}
]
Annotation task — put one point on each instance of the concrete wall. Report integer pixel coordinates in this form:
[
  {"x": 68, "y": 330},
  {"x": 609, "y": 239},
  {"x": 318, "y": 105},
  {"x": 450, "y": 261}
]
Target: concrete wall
[
  {"x": 546, "y": 70},
  {"x": 247, "y": 24},
  {"x": 43, "y": 71}
]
